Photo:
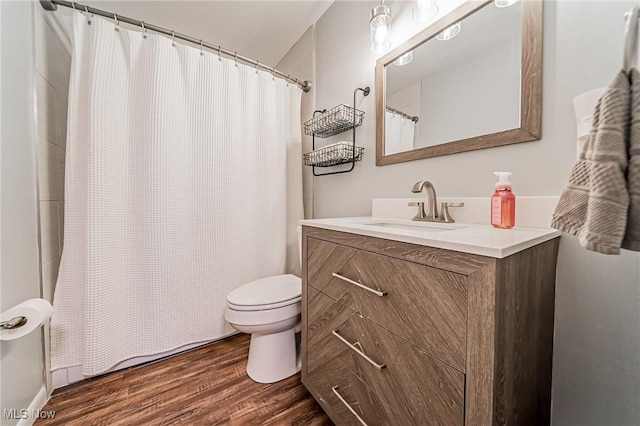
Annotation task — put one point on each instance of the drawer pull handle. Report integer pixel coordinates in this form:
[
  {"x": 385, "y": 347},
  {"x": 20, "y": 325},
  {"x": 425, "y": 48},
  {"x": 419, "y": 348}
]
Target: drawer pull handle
[
  {"x": 358, "y": 351},
  {"x": 346, "y": 404},
  {"x": 376, "y": 292}
]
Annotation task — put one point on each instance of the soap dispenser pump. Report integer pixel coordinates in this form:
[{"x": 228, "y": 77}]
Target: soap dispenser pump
[{"x": 503, "y": 203}]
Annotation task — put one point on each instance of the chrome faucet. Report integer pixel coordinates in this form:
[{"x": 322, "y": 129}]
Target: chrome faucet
[{"x": 431, "y": 215}]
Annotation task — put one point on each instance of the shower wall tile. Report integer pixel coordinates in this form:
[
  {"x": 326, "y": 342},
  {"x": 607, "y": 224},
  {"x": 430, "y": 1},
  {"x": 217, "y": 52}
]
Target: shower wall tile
[
  {"x": 49, "y": 231},
  {"x": 61, "y": 223},
  {"x": 61, "y": 97},
  {"x": 45, "y": 96},
  {"x": 75, "y": 374},
  {"x": 51, "y": 171},
  {"x": 53, "y": 69},
  {"x": 50, "y": 276},
  {"x": 59, "y": 378},
  {"x": 52, "y": 61},
  {"x": 53, "y": 66}
]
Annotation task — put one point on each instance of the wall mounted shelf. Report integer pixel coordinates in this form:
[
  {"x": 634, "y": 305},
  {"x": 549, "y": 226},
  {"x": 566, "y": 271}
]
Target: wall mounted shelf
[{"x": 326, "y": 123}]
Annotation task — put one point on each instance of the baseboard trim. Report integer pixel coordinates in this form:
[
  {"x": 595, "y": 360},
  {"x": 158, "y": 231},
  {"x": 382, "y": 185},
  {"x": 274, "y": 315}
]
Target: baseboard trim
[{"x": 35, "y": 407}]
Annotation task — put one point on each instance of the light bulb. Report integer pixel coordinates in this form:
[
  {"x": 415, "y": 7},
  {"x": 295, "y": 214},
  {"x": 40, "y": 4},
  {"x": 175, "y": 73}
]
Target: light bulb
[
  {"x": 424, "y": 10},
  {"x": 380, "y": 25},
  {"x": 404, "y": 59},
  {"x": 505, "y": 3},
  {"x": 381, "y": 35},
  {"x": 449, "y": 32}
]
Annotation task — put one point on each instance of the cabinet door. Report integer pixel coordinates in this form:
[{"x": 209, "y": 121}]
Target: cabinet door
[{"x": 424, "y": 305}]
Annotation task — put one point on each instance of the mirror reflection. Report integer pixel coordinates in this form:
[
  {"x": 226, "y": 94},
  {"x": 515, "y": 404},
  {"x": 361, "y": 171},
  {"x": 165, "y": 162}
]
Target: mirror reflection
[{"x": 460, "y": 84}]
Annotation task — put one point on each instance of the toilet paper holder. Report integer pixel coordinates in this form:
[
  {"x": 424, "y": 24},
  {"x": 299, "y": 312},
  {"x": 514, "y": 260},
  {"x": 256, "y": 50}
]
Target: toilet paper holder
[{"x": 15, "y": 322}]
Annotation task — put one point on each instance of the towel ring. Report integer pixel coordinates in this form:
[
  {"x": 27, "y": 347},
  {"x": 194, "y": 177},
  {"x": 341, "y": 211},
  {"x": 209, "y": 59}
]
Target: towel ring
[{"x": 631, "y": 38}]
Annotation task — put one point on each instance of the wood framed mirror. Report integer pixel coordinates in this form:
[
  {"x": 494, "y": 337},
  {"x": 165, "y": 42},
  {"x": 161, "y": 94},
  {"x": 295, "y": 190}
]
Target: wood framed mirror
[{"x": 479, "y": 89}]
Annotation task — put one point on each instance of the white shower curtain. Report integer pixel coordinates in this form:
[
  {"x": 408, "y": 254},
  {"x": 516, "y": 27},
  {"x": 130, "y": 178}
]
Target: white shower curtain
[
  {"x": 176, "y": 193},
  {"x": 399, "y": 133}
]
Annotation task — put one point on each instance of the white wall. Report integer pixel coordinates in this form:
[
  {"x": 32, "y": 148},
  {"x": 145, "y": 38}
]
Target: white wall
[
  {"x": 583, "y": 50},
  {"x": 597, "y": 346},
  {"x": 299, "y": 61},
  {"x": 22, "y": 365}
]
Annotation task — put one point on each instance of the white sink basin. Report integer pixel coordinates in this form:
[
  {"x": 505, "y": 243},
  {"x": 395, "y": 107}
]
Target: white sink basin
[{"x": 414, "y": 226}]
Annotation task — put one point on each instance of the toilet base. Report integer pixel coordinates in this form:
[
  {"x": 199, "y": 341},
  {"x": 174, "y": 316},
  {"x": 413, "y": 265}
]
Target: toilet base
[{"x": 273, "y": 357}]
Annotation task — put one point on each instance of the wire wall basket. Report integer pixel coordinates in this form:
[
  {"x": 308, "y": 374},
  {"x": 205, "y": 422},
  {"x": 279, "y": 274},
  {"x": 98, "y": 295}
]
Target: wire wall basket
[
  {"x": 333, "y": 155},
  {"x": 334, "y": 121}
]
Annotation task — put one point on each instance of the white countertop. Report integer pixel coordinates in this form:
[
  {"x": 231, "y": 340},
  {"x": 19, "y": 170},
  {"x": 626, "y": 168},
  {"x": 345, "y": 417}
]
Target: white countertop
[{"x": 484, "y": 240}]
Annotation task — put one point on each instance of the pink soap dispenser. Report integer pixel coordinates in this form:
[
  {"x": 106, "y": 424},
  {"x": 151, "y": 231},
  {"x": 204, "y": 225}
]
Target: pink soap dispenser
[{"x": 503, "y": 203}]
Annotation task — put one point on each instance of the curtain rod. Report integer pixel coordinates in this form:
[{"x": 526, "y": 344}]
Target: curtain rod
[
  {"x": 52, "y": 5},
  {"x": 413, "y": 118}
]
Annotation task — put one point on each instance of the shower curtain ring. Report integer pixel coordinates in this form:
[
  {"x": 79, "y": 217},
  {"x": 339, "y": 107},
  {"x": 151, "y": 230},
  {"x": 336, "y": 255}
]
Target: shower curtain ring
[
  {"x": 173, "y": 38},
  {"x": 201, "y": 52},
  {"x": 73, "y": 5},
  {"x": 115, "y": 18},
  {"x": 235, "y": 58},
  {"x": 288, "y": 79},
  {"x": 144, "y": 30},
  {"x": 257, "y": 65},
  {"x": 86, "y": 9}
]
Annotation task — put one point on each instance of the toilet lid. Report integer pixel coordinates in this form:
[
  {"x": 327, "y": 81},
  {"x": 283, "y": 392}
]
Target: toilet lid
[{"x": 267, "y": 291}]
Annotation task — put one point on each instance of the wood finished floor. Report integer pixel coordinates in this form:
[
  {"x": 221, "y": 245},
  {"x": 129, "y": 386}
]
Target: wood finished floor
[{"x": 204, "y": 386}]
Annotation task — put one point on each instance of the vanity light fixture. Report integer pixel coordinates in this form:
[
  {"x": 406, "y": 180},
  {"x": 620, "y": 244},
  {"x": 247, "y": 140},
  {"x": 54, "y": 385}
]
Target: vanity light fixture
[
  {"x": 404, "y": 59},
  {"x": 380, "y": 28},
  {"x": 449, "y": 32},
  {"x": 505, "y": 3},
  {"x": 424, "y": 10}
]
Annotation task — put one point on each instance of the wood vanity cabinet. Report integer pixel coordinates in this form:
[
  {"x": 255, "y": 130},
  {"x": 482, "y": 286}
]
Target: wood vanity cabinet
[{"x": 402, "y": 334}]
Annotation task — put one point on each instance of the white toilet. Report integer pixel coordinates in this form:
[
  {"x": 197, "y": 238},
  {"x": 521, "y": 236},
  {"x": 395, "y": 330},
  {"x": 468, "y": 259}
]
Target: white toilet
[{"x": 269, "y": 310}]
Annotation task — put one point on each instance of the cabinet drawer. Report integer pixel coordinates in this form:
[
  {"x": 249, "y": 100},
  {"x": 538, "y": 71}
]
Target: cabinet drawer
[
  {"x": 346, "y": 399},
  {"x": 417, "y": 388},
  {"x": 323, "y": 258},
  {"x": 424, "y": 305}
]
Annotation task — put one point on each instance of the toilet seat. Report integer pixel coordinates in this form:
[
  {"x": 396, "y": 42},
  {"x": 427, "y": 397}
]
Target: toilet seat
[
  {"x": 266, "y": 293},
  {"x": 261, "y": 317}
]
